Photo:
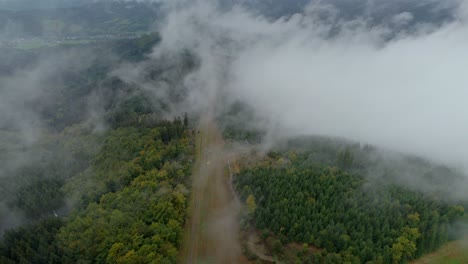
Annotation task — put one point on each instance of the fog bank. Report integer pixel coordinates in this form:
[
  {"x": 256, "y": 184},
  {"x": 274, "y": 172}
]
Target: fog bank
[{"x": 314, "y": 73}]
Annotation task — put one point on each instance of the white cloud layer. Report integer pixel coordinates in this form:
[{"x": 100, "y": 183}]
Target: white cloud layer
[{"x": 408, "y": 94}]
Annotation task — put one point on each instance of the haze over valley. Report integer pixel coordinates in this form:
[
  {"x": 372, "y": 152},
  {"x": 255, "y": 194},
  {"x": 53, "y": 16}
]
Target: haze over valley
[{"x": 233, "y": 131}]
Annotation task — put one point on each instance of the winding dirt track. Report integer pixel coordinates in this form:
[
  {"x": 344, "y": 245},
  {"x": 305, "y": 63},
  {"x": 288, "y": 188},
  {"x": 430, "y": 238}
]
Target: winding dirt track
[{"x": 212, "y": 233}]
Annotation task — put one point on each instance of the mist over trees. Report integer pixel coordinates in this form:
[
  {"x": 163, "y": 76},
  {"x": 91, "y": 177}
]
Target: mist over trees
[
  {"x": 97, "y": 138},
  {"x": 80, "y": 144},
  {"x": 339, "y": 210}
]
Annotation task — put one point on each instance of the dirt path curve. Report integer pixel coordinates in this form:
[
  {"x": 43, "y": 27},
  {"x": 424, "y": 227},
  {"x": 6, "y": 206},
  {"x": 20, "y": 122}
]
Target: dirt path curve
[
  {"x": 212, "y": 233},
  {"x": 259, "y": 250}
]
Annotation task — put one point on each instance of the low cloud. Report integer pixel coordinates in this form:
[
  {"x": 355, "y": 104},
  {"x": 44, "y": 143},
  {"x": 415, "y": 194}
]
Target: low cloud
[
  {"x": 407, "y": 94},
  {"x": 307, "y": 74}
]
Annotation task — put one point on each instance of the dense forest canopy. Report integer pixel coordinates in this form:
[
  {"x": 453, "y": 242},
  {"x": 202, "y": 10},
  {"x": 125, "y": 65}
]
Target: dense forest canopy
[
  {"x": 300, "y": 198},
  {"x": 128, "y": 206}
]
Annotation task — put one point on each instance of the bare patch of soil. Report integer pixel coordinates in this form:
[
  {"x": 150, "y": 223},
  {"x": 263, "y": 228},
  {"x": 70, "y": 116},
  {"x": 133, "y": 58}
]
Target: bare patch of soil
[{"x": 212, "y": 232}]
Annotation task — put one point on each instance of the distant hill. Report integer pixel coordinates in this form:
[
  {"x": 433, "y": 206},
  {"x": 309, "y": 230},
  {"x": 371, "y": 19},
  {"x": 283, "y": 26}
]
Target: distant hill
[
  {"x": 54, "y": 18},
  {"x": 40, "y": 4},
  {"x": 375, "y": 11},
  {"x": 85, "y": 20}
]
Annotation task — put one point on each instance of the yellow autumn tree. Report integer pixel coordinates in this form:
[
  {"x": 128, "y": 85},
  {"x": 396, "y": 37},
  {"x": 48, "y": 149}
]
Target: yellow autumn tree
[{"x": 251, "y": 205}]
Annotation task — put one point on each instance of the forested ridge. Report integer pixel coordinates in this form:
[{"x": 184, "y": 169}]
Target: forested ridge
[
  {"x": 107, "y": 177},
  {"x": 350, "y": 219},
  {"x": 130, "y": 203}
]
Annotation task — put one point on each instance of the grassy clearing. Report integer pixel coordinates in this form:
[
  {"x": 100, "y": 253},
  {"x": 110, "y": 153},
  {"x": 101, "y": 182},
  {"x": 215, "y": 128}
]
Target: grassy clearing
[{"x": 455, "y": 252}]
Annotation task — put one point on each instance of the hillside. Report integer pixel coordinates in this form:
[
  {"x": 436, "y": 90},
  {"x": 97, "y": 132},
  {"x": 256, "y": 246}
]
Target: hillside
[
  {"x": 240, "y": 132},
  {"x": 93, "y": 19},
  {"x": 120, "y": 160}
]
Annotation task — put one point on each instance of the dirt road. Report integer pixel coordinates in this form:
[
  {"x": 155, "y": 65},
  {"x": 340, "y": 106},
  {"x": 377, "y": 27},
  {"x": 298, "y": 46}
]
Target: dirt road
[{"x": 212, "y": 234}]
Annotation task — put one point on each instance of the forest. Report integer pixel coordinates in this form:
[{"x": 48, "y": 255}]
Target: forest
[
  {"x": 345, "y": 216},
  {"x": 97, "y": 154},
  {"x": 130, "y": 204},
  {"x": 105, "y": 185}
]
